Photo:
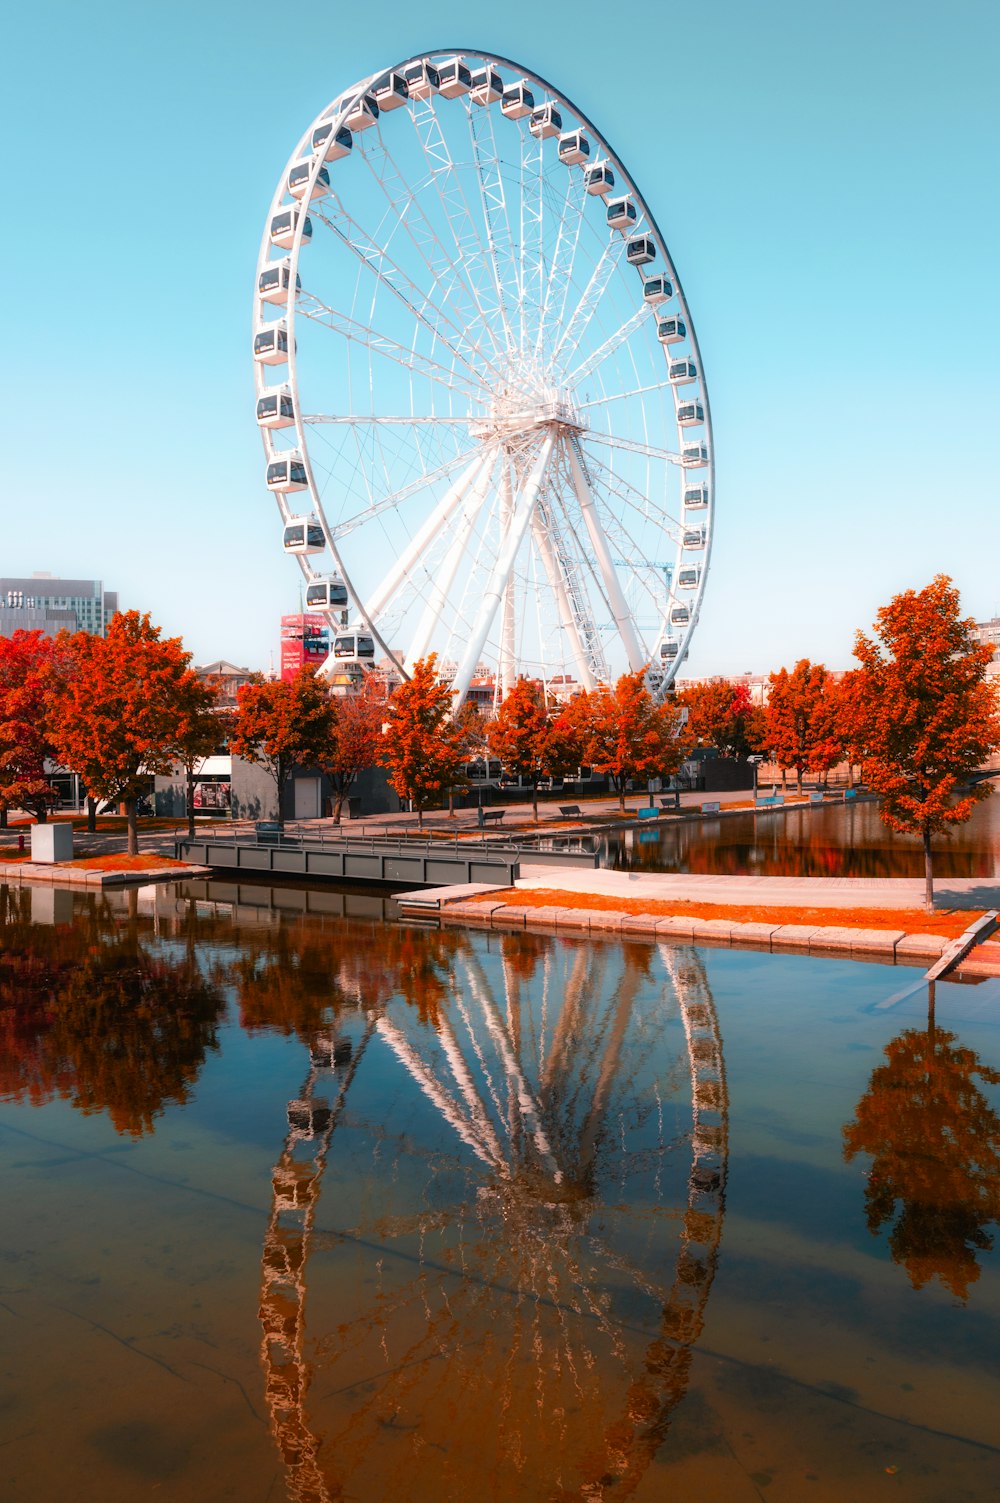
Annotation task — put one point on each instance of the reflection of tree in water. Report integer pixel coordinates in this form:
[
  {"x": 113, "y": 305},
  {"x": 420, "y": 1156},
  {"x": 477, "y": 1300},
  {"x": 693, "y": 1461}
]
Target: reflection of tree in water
[
  {"x": 502, "y": 1321},
  {"x": 935, "y": 1145},
  {"x": 96, "y": 1014}
]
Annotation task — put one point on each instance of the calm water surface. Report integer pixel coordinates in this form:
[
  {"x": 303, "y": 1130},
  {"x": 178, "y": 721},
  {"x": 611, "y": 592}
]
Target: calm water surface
[
  {"x": 303, "y": 1204},
  {"x": 835, "y": 840}
]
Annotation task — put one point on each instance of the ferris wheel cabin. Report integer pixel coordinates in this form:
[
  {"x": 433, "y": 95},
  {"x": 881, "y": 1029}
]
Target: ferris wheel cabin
[
  {"x": 622, "y": 213},
  {"x": 680, "y": 615},
  {"x": 688, "y": 576},
  {"x": 598, "y": 178},
  {"x": 640, "y": 251},
  {"x": 274, "y": 282},
  {"x": 421, "y": 80},
  {"x": 354, "y": 648},
  {"x": 690, "y": 414},
  {"x": 682, "y": 372},
  {"x": 656, "y": 290},
  {"x": 454, "y": 78},
  {"x": 362, "y": 112},
  {"x": 287, "y": 473},
  {"x": 285, "y": 223},
  {"x": 326, "y": 594},
  {"x": 487, "y": 86},
  {"x": 298, "y": 180},
  {"x": 270, "y": 344},
  {"x": 695, "y": 497},
  {"x": 669, "y": 650},
  {"x": 545, "y": 122},
  {"x": 517, "y": 101},
  {"x": 390, "y": 92},
  {"x": 694, "y": 538},
  {"x": 276, "y": 409},
  {"x": 304, "y": 535},
  {"x": 334, "y": 142},
  {"x": 574, "y": 148},
  {"x": 671, "y": 330},
  {"x": 693, "y": 456}
]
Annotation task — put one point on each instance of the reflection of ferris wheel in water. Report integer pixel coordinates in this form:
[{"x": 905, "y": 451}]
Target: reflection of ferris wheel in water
[
  {"x": 476, "y": 366},
  {"x": 513, "y": 1319}
]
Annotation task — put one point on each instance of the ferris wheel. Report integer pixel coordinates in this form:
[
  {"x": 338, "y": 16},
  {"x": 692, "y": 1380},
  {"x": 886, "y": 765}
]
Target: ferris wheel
[{"x": 481, "y": 398}]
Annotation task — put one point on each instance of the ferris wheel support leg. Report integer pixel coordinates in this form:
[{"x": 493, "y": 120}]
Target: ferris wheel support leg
[
  {"x": 557, "y": 584},
  {"x": 524, "y": 506},
  {"x": 446, "y": 574},
  {"x": 634, "y": 650},
  {"x": 424, "y": 537},
  {"x": 507, "y": 652}
]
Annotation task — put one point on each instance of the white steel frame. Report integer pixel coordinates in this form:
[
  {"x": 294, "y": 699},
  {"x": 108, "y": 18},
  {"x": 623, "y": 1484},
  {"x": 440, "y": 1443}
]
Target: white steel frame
[{"x": 535, "y": 483}]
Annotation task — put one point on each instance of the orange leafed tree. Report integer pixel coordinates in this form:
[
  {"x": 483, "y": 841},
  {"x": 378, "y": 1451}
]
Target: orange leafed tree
[
  {"x": 115, "y": 718},
  {"x": 722, "y": 714},
  {"x": 800, "y": 728},
  {"x": 519, "y": 735},
  {"x": 25, "y": 658},
  {"x": 282, "y": 725},
  {"x": 200, "y": 729},
  {"x": 422, "y": 750},
  {"x": 355, "y": 738},
  {"x": 924, "y": 715},
  {"x": 629, "y": 736}
]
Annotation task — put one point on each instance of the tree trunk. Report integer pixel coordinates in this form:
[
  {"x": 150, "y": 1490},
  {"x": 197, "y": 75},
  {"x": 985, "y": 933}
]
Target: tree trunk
[
  {"x": 534, "y": 800},
  {"x": 621, "y": 794},
  {"x": 91, "y": 814},
  {"x": 279, "y": 783},
  {"x": 190, "y": 800},
  {"x": 420, "y": 817},
  {"x": 798, "y": 778},
  {"x": 338, "y": 804},
  {"x": 784, "y": 780},
  {"x": 3, "y": 816},
  {"x": 131, "y": 815},
  {"x": 928, "y": 871},
  {"x": 930, "y": 1010}
]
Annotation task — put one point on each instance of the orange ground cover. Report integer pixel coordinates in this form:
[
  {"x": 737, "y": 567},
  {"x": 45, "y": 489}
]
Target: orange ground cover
[
  {"x": 120, "y": 863},
  {"x": 948, "y": 923}
]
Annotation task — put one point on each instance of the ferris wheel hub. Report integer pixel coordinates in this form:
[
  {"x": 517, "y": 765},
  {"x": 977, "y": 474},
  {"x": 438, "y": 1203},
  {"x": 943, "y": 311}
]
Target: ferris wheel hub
[{"x": 515, "y": 412}]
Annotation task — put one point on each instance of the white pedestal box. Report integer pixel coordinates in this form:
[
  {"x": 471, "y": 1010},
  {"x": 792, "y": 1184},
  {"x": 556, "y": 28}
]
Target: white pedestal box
[{"x": 52, "y": 842}]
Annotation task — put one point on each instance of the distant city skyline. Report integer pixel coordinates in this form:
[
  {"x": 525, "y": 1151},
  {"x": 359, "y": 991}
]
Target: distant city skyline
[{"x": 825, "y": 181}]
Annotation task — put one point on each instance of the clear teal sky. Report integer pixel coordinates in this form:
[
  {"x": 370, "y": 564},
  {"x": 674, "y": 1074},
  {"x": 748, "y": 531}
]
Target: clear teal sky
[{"x": 826, "y": 178}]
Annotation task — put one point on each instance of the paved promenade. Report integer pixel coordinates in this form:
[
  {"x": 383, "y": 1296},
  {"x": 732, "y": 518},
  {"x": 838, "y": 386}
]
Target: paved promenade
[{"x": 768, "y": 892}]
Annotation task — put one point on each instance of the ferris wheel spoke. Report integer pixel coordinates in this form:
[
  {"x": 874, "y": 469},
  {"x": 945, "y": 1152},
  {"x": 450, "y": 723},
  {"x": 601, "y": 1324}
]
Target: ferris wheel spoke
[
  {"x": 613, "y": 342},
  {"x": 353, "y": 330},
  {"x": 556, "y": 574},
  {"x": 577, "y": 323},
  {"x": 369, "y": 419},
  {"x": 621, "y": 396},
  {"x": 460, "y": 291},
  {"x": 607, "y": 483},
  {"x": 470, "y": 253},
  {"x": 433, "y": 1090},
  {"x": 496, "y": 217},
  {"x": 531, "y": 253},
  {"x": 419, "y": 303},
  {"x": 445, "y": 575},
  {"x": 594, "y": 435},
  {"x": 634, "y": 650},
  {"x": 392, "y": 501},
  {"x": 424, "y": 537},
  {"x": 563, "y": 260},
  {"x": 524, "y": 505}
]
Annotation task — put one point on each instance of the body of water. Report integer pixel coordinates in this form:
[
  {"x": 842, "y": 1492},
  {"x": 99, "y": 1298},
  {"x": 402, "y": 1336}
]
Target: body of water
[
  {"x": 835, "y": 840},
  {"x": 303, "y": 1203}
]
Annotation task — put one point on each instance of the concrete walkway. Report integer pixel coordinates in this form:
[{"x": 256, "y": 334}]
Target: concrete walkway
[{"x": 768, "y": 892}]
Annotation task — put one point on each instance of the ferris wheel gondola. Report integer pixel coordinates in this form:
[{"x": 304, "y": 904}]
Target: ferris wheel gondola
[{"x": 491, "y": 409}]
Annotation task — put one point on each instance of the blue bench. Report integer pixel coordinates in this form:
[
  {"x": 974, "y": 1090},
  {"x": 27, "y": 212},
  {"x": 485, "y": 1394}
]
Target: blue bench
[
  {"x": 648, "y": 813},
  {"x": 770, "y": 801},
  {"x": 850, "y": 793},
  {"x": 816, "y": 798}
]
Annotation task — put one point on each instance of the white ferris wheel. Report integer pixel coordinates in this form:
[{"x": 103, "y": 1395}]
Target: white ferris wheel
[{"x": 482, "y": 403}]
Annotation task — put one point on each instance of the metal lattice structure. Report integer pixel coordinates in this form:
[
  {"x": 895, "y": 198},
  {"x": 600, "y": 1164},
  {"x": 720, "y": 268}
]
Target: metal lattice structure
[{"x": 482, "y": 403}]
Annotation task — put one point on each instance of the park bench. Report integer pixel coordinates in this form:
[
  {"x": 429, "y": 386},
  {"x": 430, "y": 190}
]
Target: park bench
[
  {"x": 672, "y": 801},
  {"x": 712, "y": 807},
  {"x": 491, "y": 816},
  {"x": 648, "y": 813},
  {"x": 268, "y": 832},
  {"x": 571, "y": 811},
  {"x": 816, "y": 798},
  {"x": 770, "y": 801}
]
